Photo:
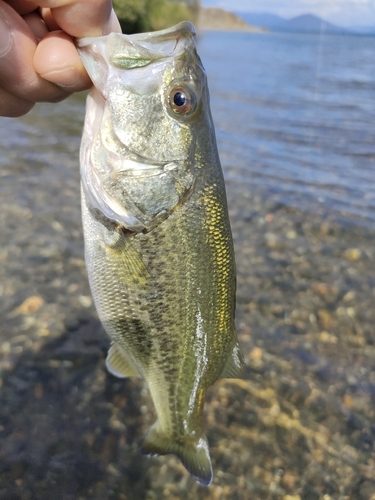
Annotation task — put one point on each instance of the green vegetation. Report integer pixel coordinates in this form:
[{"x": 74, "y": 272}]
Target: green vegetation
[{"x": 149, "y": 15}]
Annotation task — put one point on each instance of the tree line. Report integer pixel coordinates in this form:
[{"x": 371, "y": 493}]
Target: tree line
[{"x": 138, "y": 16}]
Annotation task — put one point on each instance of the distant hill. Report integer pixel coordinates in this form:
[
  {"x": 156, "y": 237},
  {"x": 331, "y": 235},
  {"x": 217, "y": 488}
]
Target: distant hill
[
  {"x": 306, "y": 23},
  {"x": 212, "y": 18},
  {"x": 364, "y": 30},
  {"x": 269, "y": 21}
]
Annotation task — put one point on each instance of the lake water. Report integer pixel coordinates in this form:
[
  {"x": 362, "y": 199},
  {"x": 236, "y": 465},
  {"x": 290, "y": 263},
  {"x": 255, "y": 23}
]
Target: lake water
[{"x": 295, "y": 116}]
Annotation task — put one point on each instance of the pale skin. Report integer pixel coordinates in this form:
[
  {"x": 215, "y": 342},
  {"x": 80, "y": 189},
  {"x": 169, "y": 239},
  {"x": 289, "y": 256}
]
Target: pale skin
[{"x": 38, "y": 58}]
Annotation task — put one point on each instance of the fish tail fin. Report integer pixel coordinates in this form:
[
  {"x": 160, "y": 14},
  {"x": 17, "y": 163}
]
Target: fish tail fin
[{"x": 194, "y": 455}]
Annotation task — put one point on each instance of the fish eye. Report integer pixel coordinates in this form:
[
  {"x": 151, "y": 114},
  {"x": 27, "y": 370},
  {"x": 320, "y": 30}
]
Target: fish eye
[{"x": 182, "y": 100}]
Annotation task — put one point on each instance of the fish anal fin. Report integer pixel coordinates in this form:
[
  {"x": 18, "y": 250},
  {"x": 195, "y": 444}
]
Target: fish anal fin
[
  {"x": 194, "y": 454},
  {"x": 235, "y": 364},
  {"x": 119, "y": 364}
]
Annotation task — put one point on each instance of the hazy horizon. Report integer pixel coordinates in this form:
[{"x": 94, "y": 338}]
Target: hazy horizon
[{"x": 345, "y": 13}]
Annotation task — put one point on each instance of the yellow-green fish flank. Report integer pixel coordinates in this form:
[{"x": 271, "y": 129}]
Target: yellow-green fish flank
[{"x": 158, "y": 244}]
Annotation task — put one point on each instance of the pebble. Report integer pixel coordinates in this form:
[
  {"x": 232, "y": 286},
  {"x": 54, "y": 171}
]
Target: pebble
[
  {"x": 328, "y": 337},
  {"x": 352, "y": 254},
  {"x": 85, "y": 300},
  {"x": 29, "y": 306}
]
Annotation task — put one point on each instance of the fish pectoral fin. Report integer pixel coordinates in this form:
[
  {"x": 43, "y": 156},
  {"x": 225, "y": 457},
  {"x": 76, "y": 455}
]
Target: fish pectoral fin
[
  {"x": 194, "y": 454},
  {"x": 126, "y": 262},
  {"x": 119, "y": 364},
  {"x": 235, "y": 366}
]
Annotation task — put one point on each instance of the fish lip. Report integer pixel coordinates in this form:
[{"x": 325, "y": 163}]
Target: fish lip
[
  {"x": 136, "y": 168},
  {"x": 130, "y": 160},
  {"x": 185, "y": 27},
  {"x": 132, "y": 157}
]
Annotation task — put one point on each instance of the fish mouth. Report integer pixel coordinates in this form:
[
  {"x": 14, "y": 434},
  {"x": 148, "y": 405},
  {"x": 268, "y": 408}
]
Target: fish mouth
[
  {"x": 132, "y": 164},
  {"x": 126, "y": 162},
  {"x": 128, "y": 52}
]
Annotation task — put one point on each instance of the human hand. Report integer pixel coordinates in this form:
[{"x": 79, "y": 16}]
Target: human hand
[{"x": 38, "y": 58}]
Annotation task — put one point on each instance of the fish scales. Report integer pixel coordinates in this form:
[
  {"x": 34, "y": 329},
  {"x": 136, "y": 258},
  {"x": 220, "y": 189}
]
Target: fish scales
[{"x": 158, "y": 244}]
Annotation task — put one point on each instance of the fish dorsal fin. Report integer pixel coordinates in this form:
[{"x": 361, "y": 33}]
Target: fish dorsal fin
[
  {"x": 119, "y": 363},
  {"x": 235, "y": 364}
]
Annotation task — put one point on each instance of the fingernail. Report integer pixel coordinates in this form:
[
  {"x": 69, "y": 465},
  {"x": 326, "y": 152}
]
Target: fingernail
[
  {"x": 5, "y": 37},
  {"x": 66, "y": 77}
]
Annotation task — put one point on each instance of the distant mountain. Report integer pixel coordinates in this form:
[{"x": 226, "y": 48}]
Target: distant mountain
[
  {"x": 268, "y": 21},
  {"x": 306, "y": 23},
  {"x": 364, "y": 30},
  {"x": 213, "y": 18}
]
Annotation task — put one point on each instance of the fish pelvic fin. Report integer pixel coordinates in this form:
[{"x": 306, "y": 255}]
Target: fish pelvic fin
[
  {"x": 194, "y": 455},
  {"x": 235, "y": 366},
  {"x": 119, "y": 364}
]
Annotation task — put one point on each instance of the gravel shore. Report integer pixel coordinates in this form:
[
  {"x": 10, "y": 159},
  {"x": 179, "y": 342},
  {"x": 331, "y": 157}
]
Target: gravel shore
[{"x": 300, "y": 427}]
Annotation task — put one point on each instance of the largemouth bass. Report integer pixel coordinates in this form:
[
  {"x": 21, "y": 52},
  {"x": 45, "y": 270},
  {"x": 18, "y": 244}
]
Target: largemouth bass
[{"x": 158, "y": 244}]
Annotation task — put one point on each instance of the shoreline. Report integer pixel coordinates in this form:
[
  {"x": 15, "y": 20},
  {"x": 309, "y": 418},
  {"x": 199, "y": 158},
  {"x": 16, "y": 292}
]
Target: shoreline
[{"x": 216, "y": 19}]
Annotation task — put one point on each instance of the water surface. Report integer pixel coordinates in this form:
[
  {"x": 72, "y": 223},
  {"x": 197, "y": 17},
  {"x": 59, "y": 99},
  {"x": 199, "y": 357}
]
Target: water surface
[{"x": 295, "y": 116}]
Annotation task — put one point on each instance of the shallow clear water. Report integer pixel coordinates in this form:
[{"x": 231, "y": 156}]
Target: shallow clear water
[{"x": 295, "y": 116}]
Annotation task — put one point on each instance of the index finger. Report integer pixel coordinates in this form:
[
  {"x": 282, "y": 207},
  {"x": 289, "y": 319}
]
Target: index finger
[{"x": 78, "y": 18}]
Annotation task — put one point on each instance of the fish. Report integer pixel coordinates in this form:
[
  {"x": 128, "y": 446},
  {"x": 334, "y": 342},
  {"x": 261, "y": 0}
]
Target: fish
[{"x": 158, "y": 243}]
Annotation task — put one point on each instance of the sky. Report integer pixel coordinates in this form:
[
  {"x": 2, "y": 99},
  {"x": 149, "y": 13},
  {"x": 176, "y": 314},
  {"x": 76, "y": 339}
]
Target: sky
[{"x": 341, "y": 12}]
